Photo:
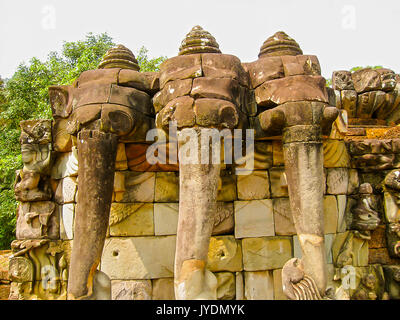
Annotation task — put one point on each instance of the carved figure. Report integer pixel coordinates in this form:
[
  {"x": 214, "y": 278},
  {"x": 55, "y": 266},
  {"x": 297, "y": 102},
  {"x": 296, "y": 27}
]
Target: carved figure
[
  {"x": 365, "y": 218},
  {"x": 366, "y": 289}
]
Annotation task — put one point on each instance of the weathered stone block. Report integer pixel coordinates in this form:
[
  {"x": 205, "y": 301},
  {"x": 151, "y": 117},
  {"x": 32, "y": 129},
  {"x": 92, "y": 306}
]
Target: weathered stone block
[
  {"x": 294, "y": 88},
  {"x": 392, "y": 212},
  {"x": 121, "y": 161},
  {"x": 165, "y": 218},
  {"x": 331, "y": 214},
  {"x": 279, "y": 187},
  {"x": 266, "y": 253},
  {"x": 131, "y": 290},
  {"x": 380, "y": 256},
  {"x": 66, "y": 190},
  {"x": 224, "y": 66},
  {"x": 66, "y": 165},
  {"x": 378, "y": 238},
  {"x": 163, "y": 289},
  {"x": 259, "y": 285},
  {"x": 180, "y": 67},
  {"x": 254, "y": 218},
  {"x": 341, "y": 205},
  {"x": 335, "y": 154},
  {"x": 337, "y": 180},
  {"x": 172, "y": 90},
  {"x": 36, "y": 220},
  {"x": 167, "y": 187},
  {"x": 225, "y": 254},
  {"x": 253, "y": 186},
  {"x": 139, "y": 187},
  {"x": 353, "y": 181},
  {"x": 328, "y": 241},
  {"x": 226, "y": 287},
  {"x": 139, "y": 258},
  {"x": 67, "y": 215},
  {"x": 277, "y": 152},
  {"x": 278, "y": 290},
  {"x": 62, "y": 140},
  {"x": 265, "y": 69},
  {"x": 227, "y": 190},
  {"x": 348, "y": 250},
  {"x": 284, "y": 225},
  {"x": 131, "y": 219}
]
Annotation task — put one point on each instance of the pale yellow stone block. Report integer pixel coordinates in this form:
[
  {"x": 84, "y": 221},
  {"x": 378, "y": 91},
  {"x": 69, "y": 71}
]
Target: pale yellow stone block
[
  {"x": 259, "y": 285},
  {"x": 266, "y": 253},
  {"x": 224, "y": 254},
  {"x": 131, "y": 219}
]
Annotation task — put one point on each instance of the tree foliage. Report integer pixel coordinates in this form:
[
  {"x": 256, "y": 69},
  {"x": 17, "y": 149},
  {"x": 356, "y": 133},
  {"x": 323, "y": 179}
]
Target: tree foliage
[{"x": 25, "y": 96}]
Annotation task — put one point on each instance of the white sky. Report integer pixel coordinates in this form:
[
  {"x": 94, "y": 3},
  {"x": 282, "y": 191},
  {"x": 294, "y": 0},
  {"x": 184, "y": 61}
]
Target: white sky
[{"x": 342, "y": 33}]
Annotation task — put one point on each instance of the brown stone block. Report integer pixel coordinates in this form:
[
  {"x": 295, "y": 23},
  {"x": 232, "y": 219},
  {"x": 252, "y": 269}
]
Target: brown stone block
[
  {"x": 131, "y": 98},
  {"x": 341, "y": 80},
  {"x": 62, "y": 140},
  {"x": 388, "y": 106},
  {"x": 91, "y": 94},
  {"x": 265, "y": 69},
  {"x": 277, "y": 150},
  {"x": 143, "y": 81},
  {"x": 5, "y": 291},
  {"x": 279, "y": 186},
  {"x": 85, "y": 114},
  {"x": 295, "y": 88},
  {"x": 368, "y": 103},
  {"x": 180, "y": 67},
  {"x": 378, "y": 238},
  {"x": 284, "y": 225},
  {"x": 61, "y": 100},
  {"x": 224, "y": 66},
  {"x": 227, "y": 190},
  {"x": 179, "y": 110},
  {"x": 215, "y": 88},
  {"x": 215, "y": 112},
  {"x": 381, "y": 256},
  {"x": 366, "y": 80},
  {"x": 291, "y": 67},
  {"x": 349, "y": 102},
  {"x": 99, "y": 76},
  {"x": 172, "y": 90},
  {"x": 310, "y": 64}
]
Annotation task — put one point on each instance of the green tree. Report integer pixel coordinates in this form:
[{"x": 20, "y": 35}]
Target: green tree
[{"x": 25, "y": 96}]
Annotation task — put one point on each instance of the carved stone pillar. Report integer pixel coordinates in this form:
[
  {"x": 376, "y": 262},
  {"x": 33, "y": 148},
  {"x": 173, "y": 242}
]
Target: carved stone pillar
[
  {"x": 96, "y": 156},
  {"x": 197, "y": 206},
  {"x": 303, "y": 154},
  {"x": 302, "y": 124}
]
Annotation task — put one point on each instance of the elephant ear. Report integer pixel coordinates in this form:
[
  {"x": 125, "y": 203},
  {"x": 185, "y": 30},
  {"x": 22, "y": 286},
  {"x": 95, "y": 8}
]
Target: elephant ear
[{"x": 60, "y": 97}]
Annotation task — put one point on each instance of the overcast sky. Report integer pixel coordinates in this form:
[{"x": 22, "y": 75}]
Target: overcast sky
[{"x": 342, "y": 33}]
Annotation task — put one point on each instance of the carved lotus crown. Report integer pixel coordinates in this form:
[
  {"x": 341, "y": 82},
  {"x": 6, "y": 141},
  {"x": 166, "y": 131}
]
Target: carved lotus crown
[
  {"x": 280, "y": 44},
  {"x": 198, "y": 41},
  {"x": 119, "y": 57}
]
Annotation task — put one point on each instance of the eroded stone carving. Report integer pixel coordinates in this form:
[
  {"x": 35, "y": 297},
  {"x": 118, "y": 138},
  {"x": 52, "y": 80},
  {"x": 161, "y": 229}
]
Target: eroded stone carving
[
  {"x": 365, "y": 218},
  {"x": 39, "y": 269}
]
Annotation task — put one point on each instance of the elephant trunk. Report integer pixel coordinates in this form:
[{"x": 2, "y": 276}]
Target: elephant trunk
[
  {"x": 96, "y": 157},
  {"x": 197, "y": 205},
  {"x": 303, "y": 154}
]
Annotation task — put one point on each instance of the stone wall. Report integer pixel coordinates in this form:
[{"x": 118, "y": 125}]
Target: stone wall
[
  {"x": 252, "y": 239},
  {"x": 283, "y": 98}
]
